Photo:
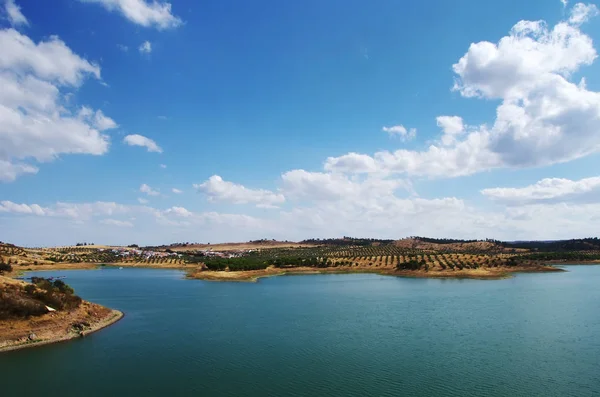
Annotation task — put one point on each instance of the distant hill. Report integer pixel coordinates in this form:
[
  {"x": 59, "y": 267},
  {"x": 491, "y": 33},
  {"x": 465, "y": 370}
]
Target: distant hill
[
  {"x": 449, "y": 245},
  {"x": 585, "y": 244}
]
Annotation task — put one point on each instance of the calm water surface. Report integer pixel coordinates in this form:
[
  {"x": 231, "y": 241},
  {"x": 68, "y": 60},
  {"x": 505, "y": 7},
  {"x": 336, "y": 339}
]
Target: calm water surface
[{"x": 325, "y": 335}]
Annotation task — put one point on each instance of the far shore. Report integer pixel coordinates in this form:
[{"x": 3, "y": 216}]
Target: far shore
[
  {"x": 481, "y": 274},
  {"x": 20, "y": 270},
  {"x": 194, "y": 272}
]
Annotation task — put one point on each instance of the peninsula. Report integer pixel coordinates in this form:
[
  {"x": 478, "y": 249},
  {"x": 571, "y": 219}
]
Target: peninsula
[{"x": 46, "y": 311}]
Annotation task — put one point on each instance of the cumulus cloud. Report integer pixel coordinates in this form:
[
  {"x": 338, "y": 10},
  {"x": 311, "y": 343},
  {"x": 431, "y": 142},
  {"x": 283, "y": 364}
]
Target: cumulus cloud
[
  {"x": 319, "y": 186},
  {"x": 116, "y": 222},
  {"x": 141, "y": 12},
  {"x": 546, "y": 190},
  {"x": 352, "y": 163},
  {"x": 401, "y": 132},
  {"x": 382, "y": 215},
  {"x": 581, "y": 13},
  {"x": 145, "y": 47},
  {"x": 179, "y": 211},
  {"x": 9, "y": 206},
  {"x": 216, "y": 189},
  {"x": 36, "y": 121},
  {"x": 97, "y": 119},
  {"x": 452, "y": 127},
  {"x": 543, "y": 118},
  {"x": 176, "y": 191},
  {"x": 15, "y": 16},
  {"x": 140, "y": 140},
  {"x": 148, "y": 190},
  {"x": 75, "y": 211}
]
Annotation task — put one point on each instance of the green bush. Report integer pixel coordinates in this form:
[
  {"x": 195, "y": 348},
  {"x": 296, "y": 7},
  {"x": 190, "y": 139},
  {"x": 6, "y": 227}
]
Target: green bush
[
  {"x": 5, "y": 267},
  {"x": 14, "y": 303}
]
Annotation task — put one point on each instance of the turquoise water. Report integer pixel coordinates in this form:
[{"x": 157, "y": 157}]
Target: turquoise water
[{"x": 325, "y": 335}]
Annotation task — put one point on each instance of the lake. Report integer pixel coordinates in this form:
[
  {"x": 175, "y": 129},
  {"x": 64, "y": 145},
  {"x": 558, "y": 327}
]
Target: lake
[{"x": 324, "y": 335}]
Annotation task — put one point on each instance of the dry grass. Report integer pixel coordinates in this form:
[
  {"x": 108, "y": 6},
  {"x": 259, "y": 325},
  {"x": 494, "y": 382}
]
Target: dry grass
[{"x": 475, "y": 246}]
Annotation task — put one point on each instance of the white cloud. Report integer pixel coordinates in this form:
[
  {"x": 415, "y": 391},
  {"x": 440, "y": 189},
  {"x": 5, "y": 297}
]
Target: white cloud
[
  {"x": 176, "y": 191},
  {"x": 163, "y": 166},
  {"x": 148, "y": 190},
  {"x": 142, "y": 200},
  {"x": 140, "y": 140},
  {"x": 543, "y": 118},
  {"x": 11, "y": 171},
  {"x": 401, "y": 132},
  {"x": 546, "y": 190},
  {"x": 179, "y": 211},
  {"x": 49, "y": 60},
  {"x": 36, "y": 121},
  {"x": 13, "y": 11},
  {"x": 216, "y": 189},
  {"x": 318, "y": 186},
  {"x": 581, "y": 13},
  {"x": 74, "y": 211},
  {"x": 564, "y": 3},
  {"x": 380, "y": 215},
  {"x": 452, "y": 127},
  {"x": 123, "y": 47},
  {"x": 351, "y": 162},
  {"x": 97, "y": 119},
  {"x": 9, "y": 206},
  {"x": 156, "y": 13},
  {"x": 116, "y": 222},
  {"x": 145, "y": 47}
]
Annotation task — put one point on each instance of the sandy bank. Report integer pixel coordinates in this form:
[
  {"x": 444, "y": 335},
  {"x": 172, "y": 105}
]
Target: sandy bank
[
  {"x": 255, "y": 275},
  {"x": 55, "y": 327},
  {"x": 19, "y": 270}
]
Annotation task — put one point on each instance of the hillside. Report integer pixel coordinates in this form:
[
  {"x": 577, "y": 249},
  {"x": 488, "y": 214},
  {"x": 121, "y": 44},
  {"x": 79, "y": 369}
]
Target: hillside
[
  {"x": 46, "y": 311},
  {"x": 457, "y": 246},
  {"x": 415, "y": 256}
]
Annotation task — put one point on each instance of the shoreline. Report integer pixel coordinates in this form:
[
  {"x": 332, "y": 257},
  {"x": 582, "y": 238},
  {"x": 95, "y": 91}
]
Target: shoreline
[
  {"x": 194, "y": 273},
  {"x": 113, "y": 317},
  {"x": 476, "y": 274}
]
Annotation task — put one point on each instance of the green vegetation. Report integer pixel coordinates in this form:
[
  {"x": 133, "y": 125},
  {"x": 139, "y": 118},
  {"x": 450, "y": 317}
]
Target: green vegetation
[
  {"x": 55, "y": 294},
  {"x": 18, "y": 301},
  {"x": 563, "y": 256},
  {"x": 5, "y": 267}
]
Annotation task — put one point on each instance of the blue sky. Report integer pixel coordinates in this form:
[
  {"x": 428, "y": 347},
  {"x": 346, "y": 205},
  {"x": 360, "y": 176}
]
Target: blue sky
[{"x": 292, "y": 120}]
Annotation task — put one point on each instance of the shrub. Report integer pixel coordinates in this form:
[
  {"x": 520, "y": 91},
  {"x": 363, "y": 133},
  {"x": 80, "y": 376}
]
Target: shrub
[
  {"x": 5, "y": 267},
  {"x": 14, "y": 304}
]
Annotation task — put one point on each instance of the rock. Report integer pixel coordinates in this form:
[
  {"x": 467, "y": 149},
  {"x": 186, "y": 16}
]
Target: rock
[
  {"x": 32, "y": 336},
  {"x": 80, "y": 326}
]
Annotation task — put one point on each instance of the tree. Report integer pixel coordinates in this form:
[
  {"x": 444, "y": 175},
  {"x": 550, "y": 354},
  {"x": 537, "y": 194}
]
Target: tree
[{"x": 5, "y": 267}]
